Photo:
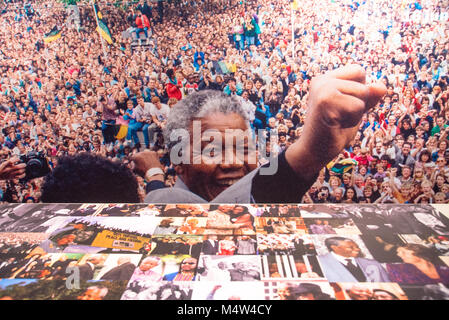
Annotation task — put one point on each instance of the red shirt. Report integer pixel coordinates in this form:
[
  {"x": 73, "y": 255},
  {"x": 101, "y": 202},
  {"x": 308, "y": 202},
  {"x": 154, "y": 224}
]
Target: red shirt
[{"x": 139, "y": 22}]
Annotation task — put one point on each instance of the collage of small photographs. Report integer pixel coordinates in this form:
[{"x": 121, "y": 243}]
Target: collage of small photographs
[{"x": 224, "y": 252}]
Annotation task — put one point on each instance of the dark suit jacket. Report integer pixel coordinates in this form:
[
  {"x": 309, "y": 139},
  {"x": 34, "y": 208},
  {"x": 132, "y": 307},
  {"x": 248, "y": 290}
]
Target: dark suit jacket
[
  {"x": 121, "y": 272},
  {"x": 192, "y": 250},
  {"x": 208, "y": 248}
]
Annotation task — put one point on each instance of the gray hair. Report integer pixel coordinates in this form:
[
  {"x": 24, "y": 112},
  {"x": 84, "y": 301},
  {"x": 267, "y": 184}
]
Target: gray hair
[
  {"x": 199, "y": 105},
  {"x": 334, "y": 241}
]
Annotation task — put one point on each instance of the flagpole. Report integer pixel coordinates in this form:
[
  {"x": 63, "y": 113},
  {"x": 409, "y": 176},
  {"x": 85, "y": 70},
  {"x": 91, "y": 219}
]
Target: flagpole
[
  {"x": 98, "y": 26},
  {"x": 293, "y": 30}
]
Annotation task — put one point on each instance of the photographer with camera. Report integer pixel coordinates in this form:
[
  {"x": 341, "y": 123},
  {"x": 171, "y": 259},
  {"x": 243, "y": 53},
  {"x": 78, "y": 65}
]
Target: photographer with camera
[{"x": 323, "y": 195}]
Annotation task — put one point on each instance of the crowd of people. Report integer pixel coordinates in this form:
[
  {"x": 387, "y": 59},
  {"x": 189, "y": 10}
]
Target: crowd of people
[
  {"x": 79, "y": 94},
  {"x": 18, "y": 244}
]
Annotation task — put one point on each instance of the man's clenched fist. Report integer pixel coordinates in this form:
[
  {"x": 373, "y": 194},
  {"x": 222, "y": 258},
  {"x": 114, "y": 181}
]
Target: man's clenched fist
[{"x": 337, "y": 101}]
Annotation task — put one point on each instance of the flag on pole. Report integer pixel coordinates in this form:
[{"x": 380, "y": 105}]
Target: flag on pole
[
  {"x": 53, "y": 35},
  {"x": 103, "y": 30},
  {"x": 102, "y": 27},
  {"x": 97, "y": 10}
]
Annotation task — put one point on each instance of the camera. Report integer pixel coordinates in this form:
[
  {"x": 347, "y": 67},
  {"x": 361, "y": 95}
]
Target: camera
[{"x": 36, "y": 165}]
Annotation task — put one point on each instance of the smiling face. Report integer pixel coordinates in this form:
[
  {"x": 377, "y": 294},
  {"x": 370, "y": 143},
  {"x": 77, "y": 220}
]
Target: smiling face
[
  {"x": 148, "y": 264},
  {"x": 188, "y": 264},
  {"x": 347, "y": 248},
  {"x": 208, "y": 180}
]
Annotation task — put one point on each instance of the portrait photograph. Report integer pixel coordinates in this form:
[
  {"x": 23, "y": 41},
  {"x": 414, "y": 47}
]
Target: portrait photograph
[
  {"x": 281, "y": 225},
  {"x": 229, "y": 268},
  {"x": 88, "y": 209},
  {"x": 332, "y": 226},
  {"x": 292, "y": 244},
  {"x": 224, "y": 245},
  {"x": 321, "y": 210},
  {"x": 185, "y": 210},
  {"x": 163, "y": 290},
  {"x": 15, "y": 289},
  {"x": 368, "y": 291},
  {"x": 346, "y": 259},
  {"x": 383, "y": 247},
  {"x": 298, "y": 290},
  {"x": 119, "y": 210},
  {"x": 418, "y": 265},
  {"x": 19, "y": 244},
  {"x": 41, "y": 265},
  {"x": 149, "y": 210},
  {"x": 125, "y": 234},
  {"x": 29, "y": 217},
  {"x": 168, "y": 267},
  {"x": 230, "y": 219},
  {"x": 180, "y": 225},
  {"x": 437, "y": 291},
  {"x": 172, "y": 244},
  {"x": 275, "y": 210},
  {"x": 117, "y": 267}
]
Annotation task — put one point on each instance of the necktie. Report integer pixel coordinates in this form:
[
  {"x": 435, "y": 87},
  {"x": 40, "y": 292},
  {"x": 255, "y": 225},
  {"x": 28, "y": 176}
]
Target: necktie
[{"x": 355, "y": 271}]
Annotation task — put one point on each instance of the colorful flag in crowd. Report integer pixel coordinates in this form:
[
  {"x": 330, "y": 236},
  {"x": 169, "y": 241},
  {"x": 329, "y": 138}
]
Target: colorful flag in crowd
[
  {"x": 97, "y": 10},
  {"x": 104, "y": 31},
  {"x": 53, "y": 35},
  {"x": 344, "y": 166},
  {"x": 102, "y": 27}
]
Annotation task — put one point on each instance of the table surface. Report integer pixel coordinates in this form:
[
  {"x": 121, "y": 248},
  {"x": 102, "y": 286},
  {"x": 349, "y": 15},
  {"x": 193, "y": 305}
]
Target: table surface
[{"x": 207, "y": 252}]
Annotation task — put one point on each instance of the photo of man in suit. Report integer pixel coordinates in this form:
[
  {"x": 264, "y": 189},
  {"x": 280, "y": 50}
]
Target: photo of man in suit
[
  {"x": 344, "y": 263},
  {"x": 210, "y": 246},
  {"x": 87, "y": 270},
  {"x": 123, "y": 271}
]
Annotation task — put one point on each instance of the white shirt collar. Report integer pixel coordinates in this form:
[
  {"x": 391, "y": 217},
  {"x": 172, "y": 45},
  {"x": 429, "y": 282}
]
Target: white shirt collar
[{"x": 342, "y": 259}]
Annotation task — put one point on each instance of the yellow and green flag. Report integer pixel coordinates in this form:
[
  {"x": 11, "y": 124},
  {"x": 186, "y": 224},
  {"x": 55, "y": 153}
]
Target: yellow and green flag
[
  {"x": 103, "y": 30},
  {"x": 97, "y": 10},
  {"x": 53, "y": 35},
  {"x": 102, "y": 27}
]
